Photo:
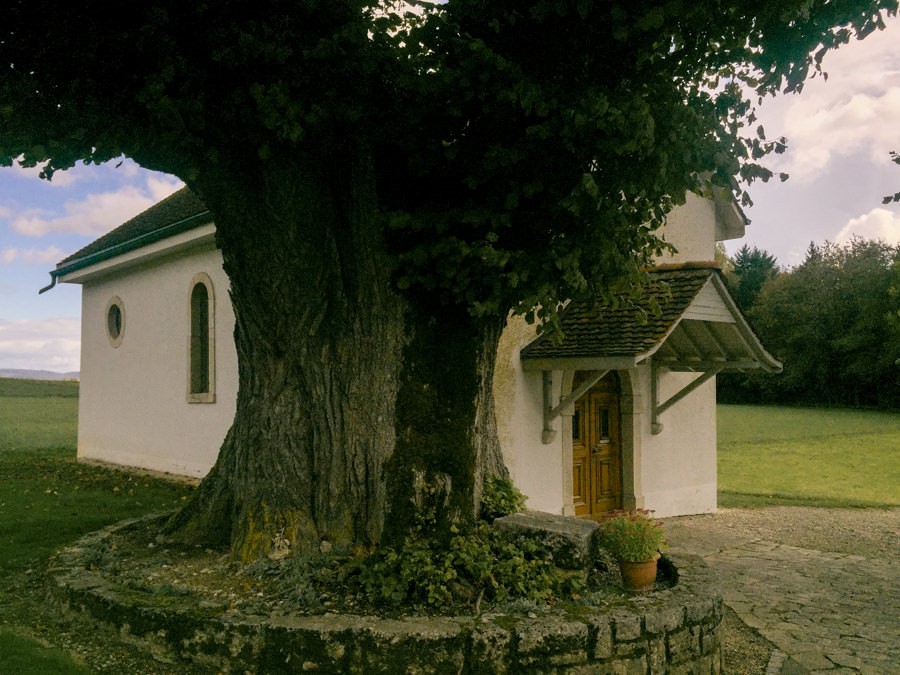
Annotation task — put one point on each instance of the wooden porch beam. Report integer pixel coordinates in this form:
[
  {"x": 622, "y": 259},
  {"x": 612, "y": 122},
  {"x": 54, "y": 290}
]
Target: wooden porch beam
[
  {"x": 658, "y": 408},
  {"x": 550, "y": 412}
]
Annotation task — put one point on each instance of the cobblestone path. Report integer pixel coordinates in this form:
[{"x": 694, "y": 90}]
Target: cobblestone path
[{"x": 825, "y": 612}]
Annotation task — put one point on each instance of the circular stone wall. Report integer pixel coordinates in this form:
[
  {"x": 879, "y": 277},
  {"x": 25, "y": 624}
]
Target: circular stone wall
[{"x": 670, "y": 631}]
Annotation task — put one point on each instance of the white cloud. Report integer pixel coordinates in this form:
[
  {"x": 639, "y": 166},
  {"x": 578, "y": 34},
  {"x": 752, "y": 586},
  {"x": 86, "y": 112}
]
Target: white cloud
[
  {"x": 60, "y": 179},
  {"x": 862, "y": 122},
  {"x": 40, "y": 344},
  {"x": 96, "y": 213},
  {"x": 161, "y": 186},
  {"x": 854, "y": 110},
  {"x": 876, "y": 224},
  {"x": 31, "y": 256}
]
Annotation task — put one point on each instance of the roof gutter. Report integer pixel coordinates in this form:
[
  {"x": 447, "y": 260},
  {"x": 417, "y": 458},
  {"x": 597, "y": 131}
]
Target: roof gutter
[
  {"x": 52, "y": 284},
  {"x": 143, "y": 240}
]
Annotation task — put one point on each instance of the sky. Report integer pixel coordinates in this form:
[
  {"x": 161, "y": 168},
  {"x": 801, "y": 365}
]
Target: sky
[{"x": 840, "y": 132}]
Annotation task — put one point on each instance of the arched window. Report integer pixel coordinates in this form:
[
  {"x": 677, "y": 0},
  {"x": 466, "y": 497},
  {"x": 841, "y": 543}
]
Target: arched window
[{"x": 201, "y": 351}]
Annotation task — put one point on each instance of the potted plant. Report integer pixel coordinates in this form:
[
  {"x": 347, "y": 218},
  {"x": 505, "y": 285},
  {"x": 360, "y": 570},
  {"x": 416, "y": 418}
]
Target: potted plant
[{"x": 636, "y": 539}]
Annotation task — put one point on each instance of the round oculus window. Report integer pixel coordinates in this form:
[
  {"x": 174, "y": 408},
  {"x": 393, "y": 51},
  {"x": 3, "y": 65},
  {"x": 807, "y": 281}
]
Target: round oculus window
[{"x": 115, "y": 321}]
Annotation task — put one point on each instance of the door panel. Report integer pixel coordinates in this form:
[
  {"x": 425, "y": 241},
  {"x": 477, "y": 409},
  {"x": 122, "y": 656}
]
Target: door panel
[
  {"x": 580, "y": 460},
  {"x": 596, "y": 453},
  {"x": 606, "y": 472}
]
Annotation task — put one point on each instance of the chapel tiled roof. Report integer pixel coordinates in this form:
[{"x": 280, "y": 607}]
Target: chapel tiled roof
[
  {"x": 179, "y": 212},
  {"x": 624, "y": 331}
]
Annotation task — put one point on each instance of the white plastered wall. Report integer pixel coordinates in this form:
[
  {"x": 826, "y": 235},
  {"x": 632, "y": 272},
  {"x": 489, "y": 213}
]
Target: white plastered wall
[
  {"x": 691, "y": 228},
  {"x": 133, "y": 407},
  {"x": 538, "y": 470},
  {"x": 678, "y": 465}
]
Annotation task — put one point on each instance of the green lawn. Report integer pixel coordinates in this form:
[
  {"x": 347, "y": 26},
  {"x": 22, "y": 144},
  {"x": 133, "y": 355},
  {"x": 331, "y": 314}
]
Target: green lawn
[
  {"x": 811, "y": 456},
  {"x": 47, "y": 500}
]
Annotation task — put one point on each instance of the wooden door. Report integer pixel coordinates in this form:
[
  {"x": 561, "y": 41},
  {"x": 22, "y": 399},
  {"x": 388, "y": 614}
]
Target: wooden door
[
  {"x": 596, "y": 454},
  {"x": 581, "y": 459}
]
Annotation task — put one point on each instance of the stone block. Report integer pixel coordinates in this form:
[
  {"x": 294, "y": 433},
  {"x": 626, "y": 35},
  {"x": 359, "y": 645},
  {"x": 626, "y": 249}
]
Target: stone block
[
  {"x": 630, "y": 636},
  {"x": 551, "y": 641},
  {"x": 699, "y": 609},
  {"x": 635, "y": 666},
  {"x": 491, "y": 649},
  {"x": 664, "y": 619},
  {"x": 594, "y": 668},
  {"x": 601, "y": 636},
  {"x": 709, "y": 639},
  {"x": 718, "y": 612},
  {"x": 569, "y": 539},
  {"x": 627, "y": 626},
  {"x": 630, "y": 649},
  {"x": 656, "y": 656},
  {"x": 425, "y": 645},
  {"x": 710, "y": 664},
  {"x": 683, "y": 645}
]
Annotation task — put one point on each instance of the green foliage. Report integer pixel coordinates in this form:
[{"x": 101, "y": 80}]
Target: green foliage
[
  {"x": 750, "y": 270},
  {"x": 835, "y": 322},
  {"x": 807, "y": 456},
  {"x": 500, "y": 498},
  {"x": 524, "y": 151},
  {"x": 633, "y": 536},
  {"x": 471, "y": 567}
]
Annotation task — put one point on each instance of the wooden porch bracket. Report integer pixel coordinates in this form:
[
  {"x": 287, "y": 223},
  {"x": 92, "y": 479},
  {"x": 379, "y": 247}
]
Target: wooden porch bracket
[
  {"x": 657, "y": 408},
  {"x": 550, "y": 412}
]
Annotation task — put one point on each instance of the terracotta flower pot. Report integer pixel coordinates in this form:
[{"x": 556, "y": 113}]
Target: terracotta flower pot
[{"x": 638, "y": 576}]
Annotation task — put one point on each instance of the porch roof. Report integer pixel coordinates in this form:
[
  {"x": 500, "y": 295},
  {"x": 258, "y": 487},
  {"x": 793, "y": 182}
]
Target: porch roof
[{"x": 698, "y": 328}]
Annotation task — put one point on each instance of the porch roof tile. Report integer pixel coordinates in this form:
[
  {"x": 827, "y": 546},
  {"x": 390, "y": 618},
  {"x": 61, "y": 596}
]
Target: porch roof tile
[{"x": 626, "y": 330}]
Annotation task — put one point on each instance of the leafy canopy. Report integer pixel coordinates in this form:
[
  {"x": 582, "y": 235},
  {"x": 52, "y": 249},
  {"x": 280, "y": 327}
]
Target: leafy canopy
[
  {"x": 835, "y": 322},
  {"x": 749, "y": 271},
  {"x": 524, "y": 152}
]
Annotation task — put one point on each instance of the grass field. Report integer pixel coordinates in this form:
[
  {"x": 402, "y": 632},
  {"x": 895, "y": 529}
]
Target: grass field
[
  {"x": 47, "y": 500},
  {"x": 808, "y": 456}
]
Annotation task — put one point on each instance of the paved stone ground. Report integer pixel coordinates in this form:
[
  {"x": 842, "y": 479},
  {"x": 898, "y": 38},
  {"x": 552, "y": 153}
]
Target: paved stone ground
[{"x": 826, "y": 611}]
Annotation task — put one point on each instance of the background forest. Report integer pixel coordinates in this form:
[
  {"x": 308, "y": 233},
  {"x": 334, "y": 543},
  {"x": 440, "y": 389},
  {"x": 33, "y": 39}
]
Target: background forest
[{"x": 834, "y": 320}]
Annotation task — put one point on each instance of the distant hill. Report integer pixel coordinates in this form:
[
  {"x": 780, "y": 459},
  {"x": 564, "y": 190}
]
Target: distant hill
[{"x": 21, "y": 374}]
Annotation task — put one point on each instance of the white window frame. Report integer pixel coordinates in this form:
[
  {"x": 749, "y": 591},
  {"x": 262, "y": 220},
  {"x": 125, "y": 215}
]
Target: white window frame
[{"x": 208, "y": 396}]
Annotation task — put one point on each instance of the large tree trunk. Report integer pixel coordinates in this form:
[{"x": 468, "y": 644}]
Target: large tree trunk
[
  {"x": 319, "y": 336},
  {"x": 333, "y": 364},
  {"x": 446, "y": 430}
]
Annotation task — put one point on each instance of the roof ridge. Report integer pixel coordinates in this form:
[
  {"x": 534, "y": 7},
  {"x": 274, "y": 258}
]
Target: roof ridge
[
  {"x": 689, "y": 265},
  {"x": 181, "y": 205}
]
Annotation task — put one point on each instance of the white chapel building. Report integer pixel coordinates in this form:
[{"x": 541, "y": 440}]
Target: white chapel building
[{"x": 620, "y": 414}]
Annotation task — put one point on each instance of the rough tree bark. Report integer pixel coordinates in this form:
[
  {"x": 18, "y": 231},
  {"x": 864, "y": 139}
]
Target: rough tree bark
[
  {"x": 318, "y": 335},
  {"x": 346, "y": 390},
  {"x": 446, "y": 430}
]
